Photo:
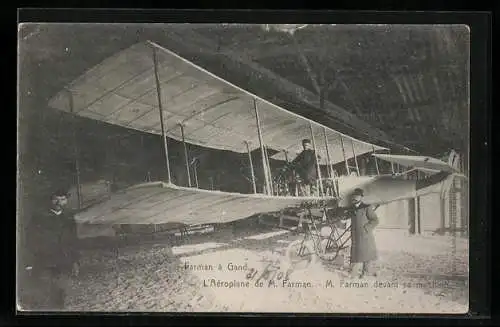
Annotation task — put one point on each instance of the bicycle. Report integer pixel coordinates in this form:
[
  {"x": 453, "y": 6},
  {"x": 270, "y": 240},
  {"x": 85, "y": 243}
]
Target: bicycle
[{"x": 324, "y": 238}]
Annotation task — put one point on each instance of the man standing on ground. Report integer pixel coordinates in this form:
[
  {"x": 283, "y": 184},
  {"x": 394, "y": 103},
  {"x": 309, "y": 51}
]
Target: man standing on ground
[
  {"x": 52, "y": 244},
  {"x": 363, "y": 247}
]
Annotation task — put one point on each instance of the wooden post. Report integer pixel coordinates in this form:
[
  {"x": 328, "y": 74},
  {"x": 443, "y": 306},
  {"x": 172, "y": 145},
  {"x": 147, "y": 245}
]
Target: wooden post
[
  {"x": 412, "y": 215},
  {"x": 444, "y": 213},
  {"x": 419, "y": 221},
  {"x": 186, "y": 155},
  {"x": 259, "y": 131},
  {"x": 251, "y": 168},
  {"x": 355, "y": 158},
  {"x": 464, "y": 197},
  {"x": 160, "y": 108},
  {"x": 452, "y": 211},
  {"x": 318, "y": 168},
  {"x": 343, "y": 154},
  {"x": 75, "y": 153}
]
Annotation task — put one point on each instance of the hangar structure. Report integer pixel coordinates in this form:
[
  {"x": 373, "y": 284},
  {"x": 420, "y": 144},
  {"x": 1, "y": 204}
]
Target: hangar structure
[{"x": 404, "y": 87}]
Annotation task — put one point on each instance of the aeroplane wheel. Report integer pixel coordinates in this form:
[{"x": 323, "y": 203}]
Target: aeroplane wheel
[{"x": 300, "y": 255}]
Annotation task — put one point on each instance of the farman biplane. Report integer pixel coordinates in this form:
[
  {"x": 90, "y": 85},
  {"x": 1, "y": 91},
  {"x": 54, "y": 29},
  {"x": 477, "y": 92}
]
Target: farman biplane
[{"x": 153, "y": 90}]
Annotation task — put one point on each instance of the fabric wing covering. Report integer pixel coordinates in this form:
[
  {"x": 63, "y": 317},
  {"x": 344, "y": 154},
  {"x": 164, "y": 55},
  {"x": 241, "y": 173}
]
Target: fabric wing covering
[
  {"x": 216, "y": 114},
  {"x": 156, "y": 203}
]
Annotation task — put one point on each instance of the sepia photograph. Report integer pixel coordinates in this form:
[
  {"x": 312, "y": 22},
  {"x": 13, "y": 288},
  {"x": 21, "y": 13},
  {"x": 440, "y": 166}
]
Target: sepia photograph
[{"x": 284, "y": 168}]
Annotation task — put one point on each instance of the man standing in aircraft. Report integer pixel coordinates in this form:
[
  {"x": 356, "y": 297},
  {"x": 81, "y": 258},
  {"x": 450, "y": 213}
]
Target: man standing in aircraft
[
  {"x": 305, "y": 166},
  {"x": 363, "y": 247},
  {"x": 51, "y": 239}
]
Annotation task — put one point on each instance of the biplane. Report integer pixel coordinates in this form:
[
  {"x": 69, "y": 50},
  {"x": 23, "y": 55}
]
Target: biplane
[{"x": 149, "y": 88}]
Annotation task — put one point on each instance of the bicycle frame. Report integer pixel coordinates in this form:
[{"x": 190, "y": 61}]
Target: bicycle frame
[{"x": 334, "y": 240}]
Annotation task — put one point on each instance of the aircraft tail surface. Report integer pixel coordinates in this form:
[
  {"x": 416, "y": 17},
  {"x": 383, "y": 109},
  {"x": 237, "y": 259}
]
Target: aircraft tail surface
[
  {"x": 443, "y": 170},
  {"x": 442, "y": 181},
  {"x": 424, "y": 163},
  {"x": 454, "y": 160}
]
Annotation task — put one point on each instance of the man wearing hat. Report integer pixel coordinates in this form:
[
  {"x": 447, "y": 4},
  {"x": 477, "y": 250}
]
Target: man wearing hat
[
  {"x": 363, "y": 247},
  {"x": 52, "y": 244},
  {"x": 305, "y": 166}
]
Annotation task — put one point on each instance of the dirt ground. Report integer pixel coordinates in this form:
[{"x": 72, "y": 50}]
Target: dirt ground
[{"x": 219, "y": 272}]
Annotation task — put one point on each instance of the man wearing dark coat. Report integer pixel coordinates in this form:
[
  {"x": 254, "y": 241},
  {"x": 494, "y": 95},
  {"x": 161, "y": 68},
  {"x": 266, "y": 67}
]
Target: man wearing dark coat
[
  {"x": 305, "y": 166},
  {"x": 363, "y": 247},
  {"x": 52, "y": 245}
]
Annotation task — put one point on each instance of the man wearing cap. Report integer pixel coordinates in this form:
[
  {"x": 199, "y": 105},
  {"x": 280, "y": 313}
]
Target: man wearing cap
[
  {"x": 305, "y": 166},
  {"x": 363, "y": 247},
  {"x": 51, "y": 242}
]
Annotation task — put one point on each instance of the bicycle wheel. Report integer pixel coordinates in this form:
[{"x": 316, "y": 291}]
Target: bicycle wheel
[
  {"x": 300, "y": 255},
  {"x": 329, "y": 250}
]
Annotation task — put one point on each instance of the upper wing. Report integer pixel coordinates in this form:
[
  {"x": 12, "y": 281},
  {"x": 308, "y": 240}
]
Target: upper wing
[{"x": 215, "y": 113}]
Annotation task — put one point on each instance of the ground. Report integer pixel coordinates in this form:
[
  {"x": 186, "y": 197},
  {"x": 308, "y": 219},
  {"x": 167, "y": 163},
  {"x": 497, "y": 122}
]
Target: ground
[{"x": 209, "y": 272}]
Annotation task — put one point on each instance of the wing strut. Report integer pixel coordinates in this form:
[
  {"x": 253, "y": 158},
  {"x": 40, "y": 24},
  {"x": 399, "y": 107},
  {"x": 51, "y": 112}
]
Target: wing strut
[
  {"x": 355, "y": 157},
  {"x": 318, "y": 168},
  {"x": 251, "y": 168},
  {"x": 268, "y": 167},
  {"x": 195, "y": 170},
  {"x": 343, "y": 154},
  {"x": 376, "y": 162},
  {"x": 259, "y": 131},
  {"x": 186, "y": 156},
  {"x": 285, "y": 152},
  {"x": 160, "y": 108},
  {"x": 330, "y": 167},
  {"x": 75, "y": 152}
]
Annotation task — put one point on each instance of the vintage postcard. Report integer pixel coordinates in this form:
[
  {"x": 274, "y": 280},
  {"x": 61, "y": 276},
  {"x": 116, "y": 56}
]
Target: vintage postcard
[{"x": 288, "y": 168}]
